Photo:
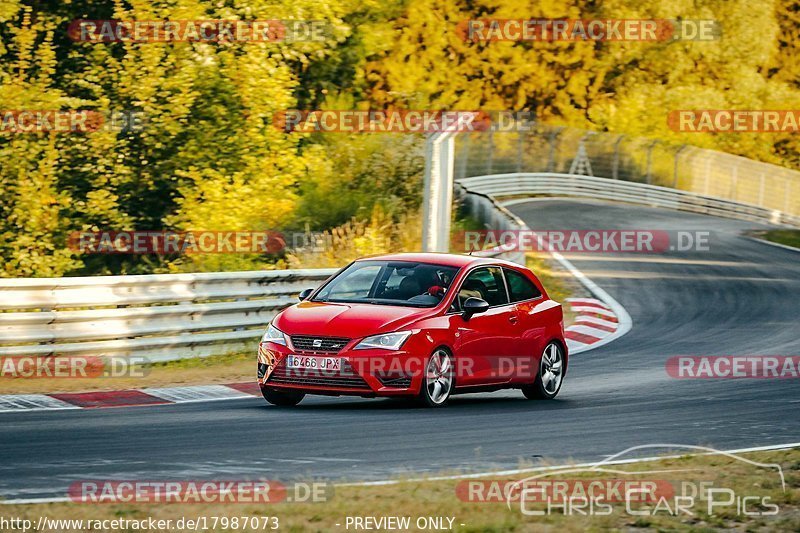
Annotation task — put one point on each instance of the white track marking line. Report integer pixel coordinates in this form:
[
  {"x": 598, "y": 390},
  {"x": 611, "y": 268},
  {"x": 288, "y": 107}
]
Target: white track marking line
[
  {"x": 776, "y": 244},
  {"x": 26, "y": 501}
]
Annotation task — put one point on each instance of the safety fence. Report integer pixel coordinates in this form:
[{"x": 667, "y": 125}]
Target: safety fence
[{"x": 555, "y": 150}]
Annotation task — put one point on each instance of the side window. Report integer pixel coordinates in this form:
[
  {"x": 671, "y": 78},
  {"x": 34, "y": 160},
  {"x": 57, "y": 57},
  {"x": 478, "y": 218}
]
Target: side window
[
  {"x": 486, "y": 284},
  {"x": 520, "y": 287}
]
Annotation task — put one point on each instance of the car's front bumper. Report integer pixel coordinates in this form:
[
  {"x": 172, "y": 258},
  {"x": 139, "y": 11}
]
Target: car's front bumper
[{"x": 367, "y": 373}]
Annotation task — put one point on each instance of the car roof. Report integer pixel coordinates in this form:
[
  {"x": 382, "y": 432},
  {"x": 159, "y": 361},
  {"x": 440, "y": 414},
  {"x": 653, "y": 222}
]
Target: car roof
[{"x": 453, "y": 260}]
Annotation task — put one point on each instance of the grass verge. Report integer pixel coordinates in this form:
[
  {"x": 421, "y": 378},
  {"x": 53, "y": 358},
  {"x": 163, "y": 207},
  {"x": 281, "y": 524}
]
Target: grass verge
[
  {"x": 787, "y": 237},
  {"x": 756, "y": 490}
]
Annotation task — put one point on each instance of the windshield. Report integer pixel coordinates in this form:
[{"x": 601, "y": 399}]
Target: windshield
[{"x": 389, "y": 283}]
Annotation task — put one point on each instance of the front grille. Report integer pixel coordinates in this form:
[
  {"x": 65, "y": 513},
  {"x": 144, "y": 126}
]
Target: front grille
[
  {"x": 344, "y": 378},
  {"x": 312, "y": 344}
]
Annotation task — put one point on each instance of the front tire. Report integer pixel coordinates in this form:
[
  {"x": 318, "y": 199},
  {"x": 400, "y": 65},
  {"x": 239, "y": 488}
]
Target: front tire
[
  {"x": 438, "y": 381},
  {"x": 282, "y": 398},
  {"x": 550, "y": 376}
]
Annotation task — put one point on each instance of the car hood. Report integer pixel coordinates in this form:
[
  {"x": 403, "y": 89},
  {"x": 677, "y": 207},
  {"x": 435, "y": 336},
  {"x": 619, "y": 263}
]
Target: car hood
[{"x": 345, "y": 319}]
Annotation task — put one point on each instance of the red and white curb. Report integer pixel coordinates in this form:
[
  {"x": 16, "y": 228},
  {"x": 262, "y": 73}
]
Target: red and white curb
[
  {"x": 10, "y": 403},
  {"x": 594, "y": 322},
  {"x": 600, "y": 320}
]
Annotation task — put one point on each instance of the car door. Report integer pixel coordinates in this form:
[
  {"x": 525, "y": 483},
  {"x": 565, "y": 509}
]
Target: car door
[
  {"x": 525, "y": 298},
  {"x": 487, "y": 345}
]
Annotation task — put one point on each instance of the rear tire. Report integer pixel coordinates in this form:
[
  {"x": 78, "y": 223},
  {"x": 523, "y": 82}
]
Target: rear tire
[
  {"x": 550, "y": 375},
  {"x": 282, "y": 398},
  {"x": 438, "y": 381}
]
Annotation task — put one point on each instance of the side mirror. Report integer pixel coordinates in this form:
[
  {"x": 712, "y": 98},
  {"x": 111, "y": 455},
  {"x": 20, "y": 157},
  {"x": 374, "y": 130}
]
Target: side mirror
[
  {"x": 473, "y": 306},
  {"x": 305, "y": 294}
]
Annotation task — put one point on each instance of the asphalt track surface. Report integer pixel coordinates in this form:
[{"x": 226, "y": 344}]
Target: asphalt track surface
[{"x": 740, "y": 297}]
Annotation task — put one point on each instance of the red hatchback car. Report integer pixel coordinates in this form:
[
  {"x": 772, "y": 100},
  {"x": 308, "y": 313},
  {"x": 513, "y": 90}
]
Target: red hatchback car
[{"x": 420, "y": 325}]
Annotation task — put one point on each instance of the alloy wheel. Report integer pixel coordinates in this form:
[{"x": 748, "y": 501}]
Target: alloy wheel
[{"x": 439, "y": 377}]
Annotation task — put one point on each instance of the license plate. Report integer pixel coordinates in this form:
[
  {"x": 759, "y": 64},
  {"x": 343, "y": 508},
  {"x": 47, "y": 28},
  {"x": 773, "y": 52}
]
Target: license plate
[{"x": 313, "y": 363}]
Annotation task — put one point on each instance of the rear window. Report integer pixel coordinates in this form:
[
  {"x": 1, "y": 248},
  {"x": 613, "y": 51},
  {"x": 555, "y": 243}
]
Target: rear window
[{"x": 520, "y": 287}]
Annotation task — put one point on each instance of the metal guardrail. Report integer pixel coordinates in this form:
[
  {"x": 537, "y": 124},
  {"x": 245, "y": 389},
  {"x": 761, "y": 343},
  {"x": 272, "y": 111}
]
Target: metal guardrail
[
  {"x": 541, "y": 184},
  {"x": 160, "y": 317}
]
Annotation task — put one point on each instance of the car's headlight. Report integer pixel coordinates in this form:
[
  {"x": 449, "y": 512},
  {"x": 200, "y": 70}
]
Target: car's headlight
[
  {"x": 275, "y": 335},
  {"x": 387, "y": 341}
]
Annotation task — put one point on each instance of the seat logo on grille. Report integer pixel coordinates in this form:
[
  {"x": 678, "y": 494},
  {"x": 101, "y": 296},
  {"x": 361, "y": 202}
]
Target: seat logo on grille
[{"x": 317, "y": 343}]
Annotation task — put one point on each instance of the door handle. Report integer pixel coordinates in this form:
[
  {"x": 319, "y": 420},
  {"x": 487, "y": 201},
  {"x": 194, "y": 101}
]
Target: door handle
[{"x": 513, "y": 319}]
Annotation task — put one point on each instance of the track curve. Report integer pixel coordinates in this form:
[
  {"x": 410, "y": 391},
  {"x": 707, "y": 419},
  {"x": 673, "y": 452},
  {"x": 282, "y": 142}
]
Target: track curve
[{"x": 741, "y": 297}]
